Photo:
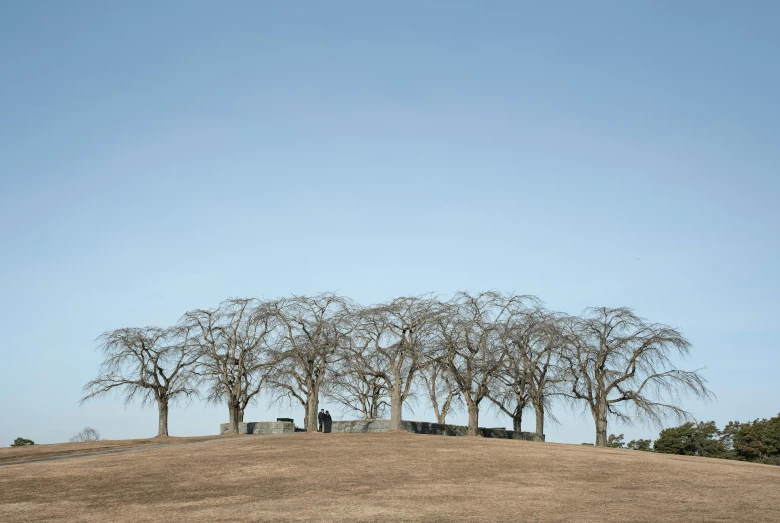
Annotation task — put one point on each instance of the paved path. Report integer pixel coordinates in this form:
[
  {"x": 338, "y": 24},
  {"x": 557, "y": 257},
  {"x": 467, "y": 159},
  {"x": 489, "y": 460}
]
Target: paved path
[{"x": 139, "y": 447}]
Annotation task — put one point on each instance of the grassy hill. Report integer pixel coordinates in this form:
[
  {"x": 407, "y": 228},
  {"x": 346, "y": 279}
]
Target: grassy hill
[{"x": 387, "y": 477}]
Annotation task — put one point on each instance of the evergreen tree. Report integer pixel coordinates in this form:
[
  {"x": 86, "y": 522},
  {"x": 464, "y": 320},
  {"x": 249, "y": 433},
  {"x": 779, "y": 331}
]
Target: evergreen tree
[
  {"x": 691, "y": 439},
  {"x": 640, "y": 444},
  {"x": 615, "y": 442}
]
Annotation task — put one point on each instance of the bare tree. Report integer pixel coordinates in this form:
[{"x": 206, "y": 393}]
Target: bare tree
[
  {"x": 620, "y": 366},
  {"x": 87, "y": 434},
  {"x": 533, "y": 360},
  {"x": 443, "y": 393},
  {"x": 312, "y": 329},
  {"x": 391, "y": 342},
  {"x": 151, "y": 363},
  {"x": 233, "y": 342},
  {"x": 355, "y": 390},
  {"x": 470, "y": 346},
  {"x": 510, "y": 390},
  {"x": 510, "y": 394}
]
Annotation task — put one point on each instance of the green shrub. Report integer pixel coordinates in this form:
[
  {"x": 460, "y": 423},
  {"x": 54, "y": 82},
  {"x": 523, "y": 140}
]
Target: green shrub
[
  {"x": 691, "y": 439},
  {"x": 22, "y": 442},
  {"x": 757, "y": 441},
  {"x": 640, "y": 444}
]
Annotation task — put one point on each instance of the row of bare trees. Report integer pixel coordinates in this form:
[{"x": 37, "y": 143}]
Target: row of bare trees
[{"x": 503, "y": 350}]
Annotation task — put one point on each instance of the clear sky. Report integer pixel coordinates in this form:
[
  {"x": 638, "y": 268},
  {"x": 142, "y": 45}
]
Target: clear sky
[{"x": 161, "y": 156}]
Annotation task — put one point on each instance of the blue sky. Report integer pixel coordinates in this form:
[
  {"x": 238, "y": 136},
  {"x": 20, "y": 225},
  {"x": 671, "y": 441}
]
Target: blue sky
[{"x": 159, "y": 158}]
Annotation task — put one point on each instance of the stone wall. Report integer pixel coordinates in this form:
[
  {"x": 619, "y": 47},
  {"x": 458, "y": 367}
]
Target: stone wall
[
  {"x": 369, "y": 425},
  {"x": 261, "y": 427},
  {"x": 379, "y": 425},
  {"x": 424, "y": 427}
]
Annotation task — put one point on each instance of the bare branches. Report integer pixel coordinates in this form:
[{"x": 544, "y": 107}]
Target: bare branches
[
  {"x": 390, "y": 343},
  {"x": 233, "y": 342},
  {"x": 86, "y": 434},
  {"x": 443, "y": 393},
  {"x": 311, "y": 331},
  {"x": 470, "y": 343},
  {"x": 621, "y": 367},
  {"x": 503, "y": 347},
  {"x": 356, "y": 390},
  {"x": 532, "y": 348},
  {"x": 149, "y": 363}
]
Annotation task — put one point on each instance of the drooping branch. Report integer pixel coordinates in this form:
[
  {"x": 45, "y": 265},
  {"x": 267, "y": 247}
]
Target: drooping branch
[{"x": 151, "y": 364}]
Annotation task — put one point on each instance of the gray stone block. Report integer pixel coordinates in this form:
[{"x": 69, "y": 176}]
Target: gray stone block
[
  {"x": 261, "y": 427},
  {"x": 370, "y": 425}
]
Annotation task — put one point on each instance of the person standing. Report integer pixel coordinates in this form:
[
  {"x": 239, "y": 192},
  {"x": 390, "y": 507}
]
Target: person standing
[
  {"x": 328, "y": 421},
  {"x": 321, "y": 421}
]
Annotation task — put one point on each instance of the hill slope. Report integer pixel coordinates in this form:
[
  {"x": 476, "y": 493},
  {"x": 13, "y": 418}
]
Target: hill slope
[{"x": 385, "y": 477}]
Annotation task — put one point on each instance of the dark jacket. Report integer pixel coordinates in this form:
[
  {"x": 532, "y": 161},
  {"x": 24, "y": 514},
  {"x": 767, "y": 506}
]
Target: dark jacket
[
  {"x": 321, "y": 417},
  {"x": 328, "y": 417}
]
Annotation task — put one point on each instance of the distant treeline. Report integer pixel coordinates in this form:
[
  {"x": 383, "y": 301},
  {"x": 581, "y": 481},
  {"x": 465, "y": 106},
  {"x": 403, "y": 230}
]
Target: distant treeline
[{"x": 757, "y": 441}]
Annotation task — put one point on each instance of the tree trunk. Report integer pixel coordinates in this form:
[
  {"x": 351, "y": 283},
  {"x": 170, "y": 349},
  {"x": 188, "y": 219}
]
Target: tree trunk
[
  {"x": 539, "y": 435},
  {"x": 517, "y": 417},
  {"x": 233, "y": 423},
  {"x": 441, "y": 417},
  {"x": 473, "y": 417},
  {"x": 313, "y": 404},
  {"x": 396, "y": 407},
  {"x": 517, "y": 421},
  {"x": 601, "y": 425},
  {"x": 162, "y": 411}
]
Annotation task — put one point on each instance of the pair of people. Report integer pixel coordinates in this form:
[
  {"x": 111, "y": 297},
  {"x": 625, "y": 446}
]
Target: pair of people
[{"x": 324, "y": 418}]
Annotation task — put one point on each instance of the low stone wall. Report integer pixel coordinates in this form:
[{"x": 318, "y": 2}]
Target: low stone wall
[
  {"x": 261, "y": 427},
  {"x": 379, "y": 425},
  {"x": 424, "y": 427},
  {"x": 369, "y": 425}
]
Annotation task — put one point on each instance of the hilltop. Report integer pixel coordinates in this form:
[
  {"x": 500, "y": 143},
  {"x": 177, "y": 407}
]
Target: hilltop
[{"x": 387, "y": 476}]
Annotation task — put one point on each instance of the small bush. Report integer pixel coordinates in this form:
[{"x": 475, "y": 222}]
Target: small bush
[
  {"x": 22, "y": 442},
  {"x": 640, "y": 444}
]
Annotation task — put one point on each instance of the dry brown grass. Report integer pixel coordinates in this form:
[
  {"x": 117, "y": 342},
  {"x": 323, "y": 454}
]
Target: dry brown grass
[
  {"x": 388, "y": 477},
  {"x": 10, "y": 454}
]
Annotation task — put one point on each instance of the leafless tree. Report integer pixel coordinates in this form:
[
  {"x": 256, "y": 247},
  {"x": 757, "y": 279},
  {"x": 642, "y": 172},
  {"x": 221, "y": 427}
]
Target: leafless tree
[
  {"x": 470, "y": 345},
  {"x": 510, "y": 393},
  {"x": 355, "y": 390},
  {"x": 442, "y": 391},
  {"x": 533, "y": 360},
  {"x": 312, "y": 330},
  {"x": 391, "y": 342},
  {"x": 510, "y": 389},
  {"x": 87, "y": 434},
  {"x": 621, "y": 367},
  {"x": 233, "y": 342},
  {"x": 151, "y": 363}
]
